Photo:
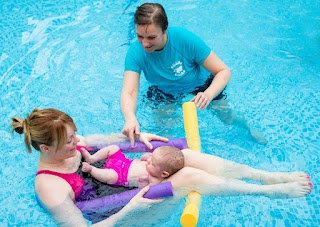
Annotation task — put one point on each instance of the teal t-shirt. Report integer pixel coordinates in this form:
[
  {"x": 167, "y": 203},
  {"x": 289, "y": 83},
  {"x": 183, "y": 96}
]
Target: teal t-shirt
[{"x": 175, "y": 69}]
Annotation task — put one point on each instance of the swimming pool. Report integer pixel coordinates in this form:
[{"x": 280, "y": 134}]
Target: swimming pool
[{"x": 69, "y": 55}]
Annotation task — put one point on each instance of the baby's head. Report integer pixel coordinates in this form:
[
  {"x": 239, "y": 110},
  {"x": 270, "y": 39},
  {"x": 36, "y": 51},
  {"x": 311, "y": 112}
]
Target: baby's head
[{"x": 165, "y": 161}]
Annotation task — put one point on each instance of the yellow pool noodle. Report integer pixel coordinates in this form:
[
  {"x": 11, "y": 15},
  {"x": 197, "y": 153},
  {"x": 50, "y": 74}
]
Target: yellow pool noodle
[{"x": 190, "y": 215}]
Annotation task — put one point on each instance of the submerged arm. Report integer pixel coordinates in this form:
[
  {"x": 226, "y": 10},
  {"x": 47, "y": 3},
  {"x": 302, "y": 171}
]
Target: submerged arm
[{"x": 58, "y": 200}]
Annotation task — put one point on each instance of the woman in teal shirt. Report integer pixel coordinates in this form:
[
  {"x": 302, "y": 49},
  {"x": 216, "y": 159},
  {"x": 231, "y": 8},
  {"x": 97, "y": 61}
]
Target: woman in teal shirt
[{"x": 176, "y": 62}]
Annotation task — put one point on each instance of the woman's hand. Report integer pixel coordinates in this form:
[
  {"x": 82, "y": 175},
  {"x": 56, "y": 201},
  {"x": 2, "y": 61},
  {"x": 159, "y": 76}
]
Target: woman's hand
[
  {"x": 201, "y": 100},
  {"x": 131, "y": 129},
  {"x": 147, "y": 137},
  {"x": 139, "y": 202}
]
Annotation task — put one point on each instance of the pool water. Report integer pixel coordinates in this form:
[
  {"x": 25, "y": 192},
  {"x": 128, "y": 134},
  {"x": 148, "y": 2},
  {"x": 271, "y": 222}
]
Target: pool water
[{"x": 70, "y": 55}]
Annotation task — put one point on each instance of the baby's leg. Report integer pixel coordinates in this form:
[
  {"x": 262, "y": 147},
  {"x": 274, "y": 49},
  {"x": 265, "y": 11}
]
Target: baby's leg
[
  {"x": 229, "y": 169},
  {"x": 100, "y": 154},
  {"x": 108, "y": 176},
  {"x": 189, "y": 179}
]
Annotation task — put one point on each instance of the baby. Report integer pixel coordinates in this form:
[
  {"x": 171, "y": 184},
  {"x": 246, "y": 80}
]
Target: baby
[{"x": 151, "y": 169}]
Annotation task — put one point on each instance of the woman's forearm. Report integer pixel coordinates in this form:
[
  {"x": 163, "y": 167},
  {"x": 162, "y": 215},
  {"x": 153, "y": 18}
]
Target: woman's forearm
[
  {"x": 221, "y": 74},
  {"x": 128, "y": 105},
  {"x": 218, "y": 83},
  {"x": 129, "y": 94},
  {"x": 112, "y": 220}
]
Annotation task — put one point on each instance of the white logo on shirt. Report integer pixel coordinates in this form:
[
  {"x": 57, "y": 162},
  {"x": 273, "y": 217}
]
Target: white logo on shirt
[{"x": 178, "y": 68}]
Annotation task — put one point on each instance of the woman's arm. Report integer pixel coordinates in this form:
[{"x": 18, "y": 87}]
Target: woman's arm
[
  {"x": 56, "y": 196},
  {"x": 137, "y": 202},
  {"x": 221, "y": 78},
  {"x": 129, "y": 97},
  {"x": 191, "y": 179},
  {"x": 67, "y": 214},
  {"x": 60, "y": 205}
]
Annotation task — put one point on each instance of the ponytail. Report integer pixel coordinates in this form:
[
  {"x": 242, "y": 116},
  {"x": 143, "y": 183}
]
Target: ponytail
[
  {"x": 43, "y": 127},
  {"x": 21, "y": 126}
]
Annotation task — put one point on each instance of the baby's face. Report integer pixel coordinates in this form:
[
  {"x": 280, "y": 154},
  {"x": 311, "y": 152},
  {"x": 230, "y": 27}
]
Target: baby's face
[{"x": 153, "y": 164}]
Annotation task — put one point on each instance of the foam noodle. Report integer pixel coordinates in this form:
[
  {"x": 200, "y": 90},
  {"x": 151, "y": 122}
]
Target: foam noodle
[
  {"x": 190, "y": 215},
  {"x": 141, "y": 147},
  {"x": 110, "y": 202}
]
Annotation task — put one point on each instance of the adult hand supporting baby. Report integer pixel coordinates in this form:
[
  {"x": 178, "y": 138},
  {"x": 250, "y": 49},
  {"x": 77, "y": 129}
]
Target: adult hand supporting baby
[{"x": 138, "y": 201}]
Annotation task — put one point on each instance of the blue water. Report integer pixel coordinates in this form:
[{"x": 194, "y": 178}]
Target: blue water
[{"x": 69, "y": 55}]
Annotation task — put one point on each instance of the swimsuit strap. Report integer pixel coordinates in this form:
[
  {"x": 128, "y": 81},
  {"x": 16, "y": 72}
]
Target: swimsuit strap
[
  {"x": 78, "y": 147},
  {"x": 74, "y": 180}
]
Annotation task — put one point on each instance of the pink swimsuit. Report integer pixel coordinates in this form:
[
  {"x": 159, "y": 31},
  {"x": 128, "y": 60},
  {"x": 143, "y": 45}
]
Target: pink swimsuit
[
  {"x": 75, "y": 181},
  {"x": 119, "y": 163}
]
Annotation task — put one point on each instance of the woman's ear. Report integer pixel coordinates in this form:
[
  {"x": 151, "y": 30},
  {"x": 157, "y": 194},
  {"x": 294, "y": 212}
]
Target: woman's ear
[{"x": 44, "y": 148}]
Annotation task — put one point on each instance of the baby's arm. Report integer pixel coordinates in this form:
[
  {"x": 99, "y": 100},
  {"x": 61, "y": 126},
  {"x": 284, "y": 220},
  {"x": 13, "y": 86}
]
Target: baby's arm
[{"x": 100, "y": 154}]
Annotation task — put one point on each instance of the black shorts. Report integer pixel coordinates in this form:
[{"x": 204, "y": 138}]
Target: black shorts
[{"x": 156, "y": 95}]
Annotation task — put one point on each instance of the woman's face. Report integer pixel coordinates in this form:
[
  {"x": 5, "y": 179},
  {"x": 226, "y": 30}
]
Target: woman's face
[
  {"x": 151, "y": 37},
  {"x": 68, "y": 150}
]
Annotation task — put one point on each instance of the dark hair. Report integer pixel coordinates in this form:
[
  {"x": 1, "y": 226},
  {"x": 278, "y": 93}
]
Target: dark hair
[
  {"x": 43, "y": 127},
  {"x": 151, "y": 13}
]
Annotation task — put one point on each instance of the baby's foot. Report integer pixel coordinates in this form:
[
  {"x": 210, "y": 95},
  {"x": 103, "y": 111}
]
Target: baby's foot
[
  {"x": 284, "y": 177},
  {"x": 292, "y": 190},
  {"x": 86, "y": 167}
]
